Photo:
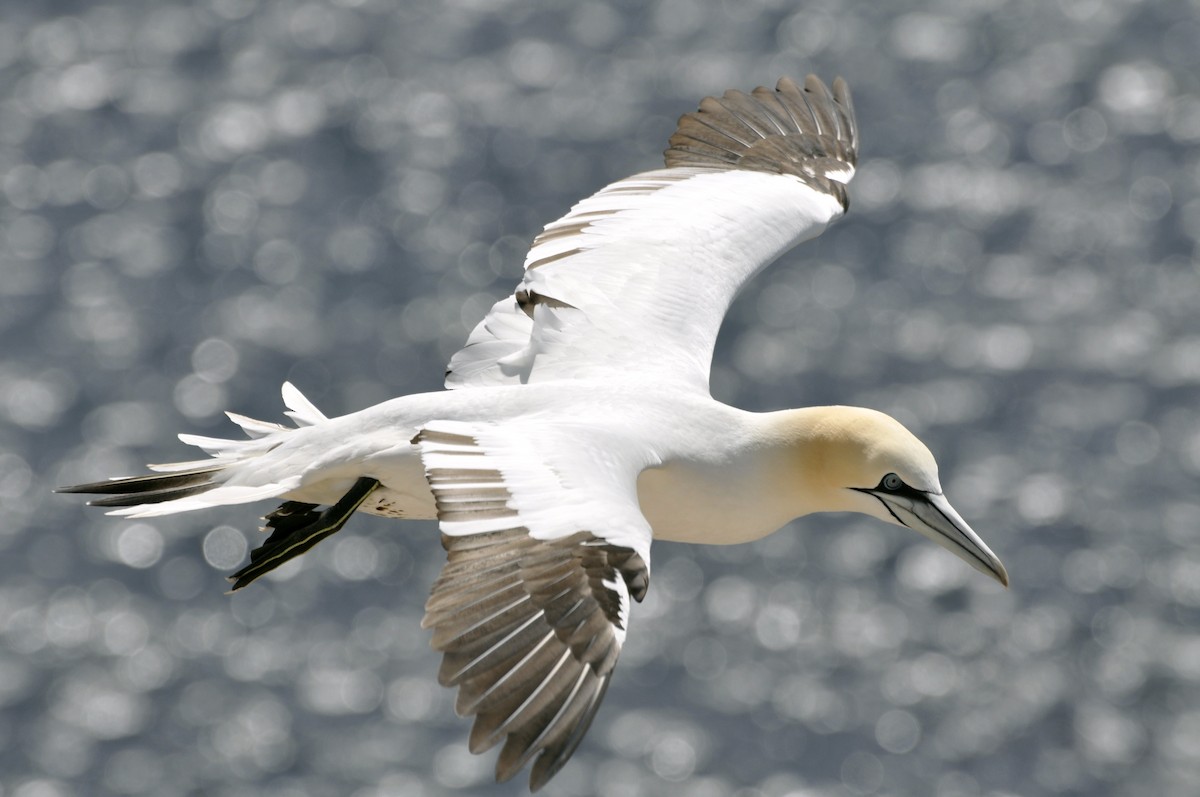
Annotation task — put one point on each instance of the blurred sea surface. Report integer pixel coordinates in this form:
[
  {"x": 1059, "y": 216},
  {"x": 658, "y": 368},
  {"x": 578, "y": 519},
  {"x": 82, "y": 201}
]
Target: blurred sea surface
[{"x": 201, "y": 200}]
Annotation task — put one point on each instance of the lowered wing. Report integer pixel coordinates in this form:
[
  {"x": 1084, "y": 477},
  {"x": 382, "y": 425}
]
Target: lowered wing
[{"x": 546, "y": 547}]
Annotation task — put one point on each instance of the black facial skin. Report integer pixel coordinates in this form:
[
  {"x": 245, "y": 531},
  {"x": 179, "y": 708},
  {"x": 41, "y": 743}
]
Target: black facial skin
[{"x": 891, "y": 484}]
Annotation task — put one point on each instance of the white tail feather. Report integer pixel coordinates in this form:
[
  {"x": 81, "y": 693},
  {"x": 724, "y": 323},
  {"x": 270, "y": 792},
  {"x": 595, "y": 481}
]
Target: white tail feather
[
  {"x": 255, "y": 428},
  {"x": 180, "y": 467},
  {"x": 240, "y": 471},
  {"x": 301, "y": 409},
  {"x": 219, "y": 447}
]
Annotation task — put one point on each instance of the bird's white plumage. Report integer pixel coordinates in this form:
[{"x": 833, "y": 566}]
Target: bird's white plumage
[
  {"x": 561, "y": 478},
  {"x": 589, "y": 428},
  {"x": 638, "y": 277},
  {"x": 299, "y": 408}
]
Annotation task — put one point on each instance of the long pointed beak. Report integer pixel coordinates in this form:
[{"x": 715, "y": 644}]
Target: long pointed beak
[{"x": 932, "y": 515}]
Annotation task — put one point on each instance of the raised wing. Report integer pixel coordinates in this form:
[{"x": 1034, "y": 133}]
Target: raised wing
[
  {"x": 531, "y": 609},
  {"x": 637, "y": 278}
]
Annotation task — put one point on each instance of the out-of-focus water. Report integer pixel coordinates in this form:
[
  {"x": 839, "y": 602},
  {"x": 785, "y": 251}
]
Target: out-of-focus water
[{"x": 201, "y": 200}]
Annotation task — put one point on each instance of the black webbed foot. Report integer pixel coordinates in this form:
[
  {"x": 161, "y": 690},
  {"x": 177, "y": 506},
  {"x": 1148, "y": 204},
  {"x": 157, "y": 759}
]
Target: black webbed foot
[
  {"x": 296, "y": 527},
  {"x": 290, "y": 517}
]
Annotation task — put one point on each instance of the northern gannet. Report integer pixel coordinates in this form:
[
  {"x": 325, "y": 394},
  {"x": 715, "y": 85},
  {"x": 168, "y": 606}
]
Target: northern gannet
[{"x": 577, "y": 426}]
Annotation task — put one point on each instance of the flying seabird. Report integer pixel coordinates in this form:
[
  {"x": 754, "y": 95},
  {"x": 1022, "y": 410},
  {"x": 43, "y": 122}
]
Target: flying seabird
[{"x": 577, "y": 426}]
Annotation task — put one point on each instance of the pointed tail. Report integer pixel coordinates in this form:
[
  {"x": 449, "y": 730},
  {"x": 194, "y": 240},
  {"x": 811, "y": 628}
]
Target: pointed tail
[{"x": 230, "y": 477}]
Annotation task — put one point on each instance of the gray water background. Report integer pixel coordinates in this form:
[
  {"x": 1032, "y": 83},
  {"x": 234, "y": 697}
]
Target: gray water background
[{"x": 202, "y": 200}]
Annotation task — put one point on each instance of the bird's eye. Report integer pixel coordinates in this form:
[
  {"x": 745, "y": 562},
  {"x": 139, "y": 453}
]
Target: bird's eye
[{"x": 892, "y": 482}]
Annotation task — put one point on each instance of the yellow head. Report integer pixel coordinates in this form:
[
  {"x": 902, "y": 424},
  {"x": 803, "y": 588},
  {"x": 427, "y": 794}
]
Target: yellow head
[{"x": 853, "y": 459}]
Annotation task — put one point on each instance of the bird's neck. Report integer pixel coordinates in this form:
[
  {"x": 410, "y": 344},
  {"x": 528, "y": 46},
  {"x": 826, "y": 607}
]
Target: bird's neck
[
  {"x": 806, "y": 451},
  {"x": 776, "y": 467}
]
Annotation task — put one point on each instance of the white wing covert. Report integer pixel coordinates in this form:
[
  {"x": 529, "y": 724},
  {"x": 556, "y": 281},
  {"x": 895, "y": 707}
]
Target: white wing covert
[
  {"x": 638, "y": 277},
  {"x": 544, "y": 552}
]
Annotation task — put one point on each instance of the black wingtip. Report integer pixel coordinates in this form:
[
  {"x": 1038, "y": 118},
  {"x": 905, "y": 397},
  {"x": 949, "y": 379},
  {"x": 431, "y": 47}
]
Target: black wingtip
[{"x": 802, "y": 130}]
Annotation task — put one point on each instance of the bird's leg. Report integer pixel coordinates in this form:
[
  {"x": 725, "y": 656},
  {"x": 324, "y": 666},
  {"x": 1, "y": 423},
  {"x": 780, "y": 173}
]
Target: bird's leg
[{"x": 297, "y": 528}]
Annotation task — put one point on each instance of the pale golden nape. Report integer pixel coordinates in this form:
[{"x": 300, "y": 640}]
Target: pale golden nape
[
  {"x": 840, "y": 447},
  {"x": 853, "y": 459}
]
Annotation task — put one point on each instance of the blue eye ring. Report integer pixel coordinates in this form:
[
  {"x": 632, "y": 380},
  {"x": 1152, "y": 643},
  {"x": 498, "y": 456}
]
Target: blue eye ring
[{"x": 891, "y": 482}]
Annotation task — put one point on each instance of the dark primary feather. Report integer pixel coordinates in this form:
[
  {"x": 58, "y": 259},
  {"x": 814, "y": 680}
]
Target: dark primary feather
[
  {"x": 807, "y": 132},
  {"x": 527, "y": 629}
]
